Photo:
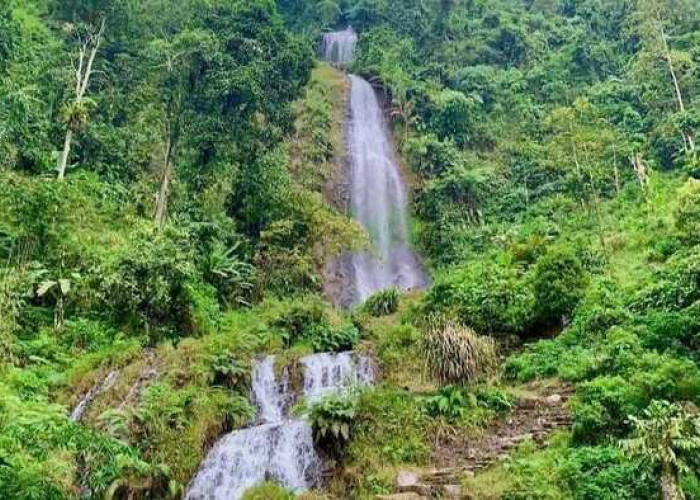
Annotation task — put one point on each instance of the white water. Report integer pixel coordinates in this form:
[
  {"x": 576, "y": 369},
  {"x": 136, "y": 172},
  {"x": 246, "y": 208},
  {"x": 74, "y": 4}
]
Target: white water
[
  {"x": 96, "y": 390},
  {"x": 280, "y": 449},
  {"x": 378, "y": 193},
  {"x": 329, "y": 373},
  {"x": 338, "y": 47}
]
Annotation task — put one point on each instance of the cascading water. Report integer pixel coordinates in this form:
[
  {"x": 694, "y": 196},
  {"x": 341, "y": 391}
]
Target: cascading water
[
  {"x": 379, "y": 200},
  {"x": 378, "y": 194},
  {"x": 338, "y": 47},
  {"x": 280, "y": 449},
  {"x": 94, "y": 392}
]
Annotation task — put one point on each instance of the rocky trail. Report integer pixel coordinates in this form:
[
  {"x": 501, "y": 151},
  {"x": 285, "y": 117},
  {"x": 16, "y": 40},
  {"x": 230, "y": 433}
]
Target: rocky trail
[{"x": 535, "y": 416}]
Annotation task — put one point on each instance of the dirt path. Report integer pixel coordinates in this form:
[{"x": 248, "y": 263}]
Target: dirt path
[{"x": 535, "y": 416}]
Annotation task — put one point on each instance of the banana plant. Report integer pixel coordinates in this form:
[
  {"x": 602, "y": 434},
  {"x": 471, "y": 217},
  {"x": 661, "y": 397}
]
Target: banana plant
[{"x": 56, "y": 288}]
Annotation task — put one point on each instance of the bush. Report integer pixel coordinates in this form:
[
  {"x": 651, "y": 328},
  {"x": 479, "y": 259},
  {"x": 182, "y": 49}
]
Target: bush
[
  {"x": 601, "y": 407},
  {"x": 491, "y": 296},
  {"x": 456, "y": 355},
  {"x": 687, "y": 213},
  {"x": 332, "y": 420},
  {"x": 450, "y": 402},
  {"x": 593, "y": 473},
  {"x": 268, "y": 491},
  {"x": 559, "y": 284},
  {"x": 299, "y": 319},
  {"x": 146, "y": 284},
  {"x": 389, "y": 429},
  {"x": 326, "y": 338},
  {"x": 494, "y": 399},
  {"x": 383, "y": 303}
]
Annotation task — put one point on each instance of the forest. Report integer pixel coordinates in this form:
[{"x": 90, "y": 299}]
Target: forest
[{"x": 174, "y": 198}]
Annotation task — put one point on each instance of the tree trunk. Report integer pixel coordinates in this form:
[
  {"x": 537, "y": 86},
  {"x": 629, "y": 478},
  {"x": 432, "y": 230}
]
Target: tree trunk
[
  {"x": 669, "y": 484},
  {"x": 63, "y": 162},
  {"x": 82, "y": 79}
]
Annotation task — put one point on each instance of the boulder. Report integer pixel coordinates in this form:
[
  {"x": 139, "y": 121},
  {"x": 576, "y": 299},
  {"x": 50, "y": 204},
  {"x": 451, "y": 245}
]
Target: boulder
[
  {"x": 553, "y": 400},
  {"x": 410, "y": 482}
]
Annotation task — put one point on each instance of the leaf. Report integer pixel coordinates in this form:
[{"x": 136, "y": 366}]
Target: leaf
[
  {"x": 64, "y": 285},
  {"x": 45, "y": 287}
]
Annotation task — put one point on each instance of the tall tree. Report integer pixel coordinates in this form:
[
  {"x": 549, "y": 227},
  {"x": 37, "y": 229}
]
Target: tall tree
[{"x": 76, "y": 113}]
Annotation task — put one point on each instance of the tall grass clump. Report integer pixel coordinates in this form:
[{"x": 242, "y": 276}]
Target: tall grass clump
[
  {"x": 456, "y": 355},
  {"x": 383, "y": 303}
]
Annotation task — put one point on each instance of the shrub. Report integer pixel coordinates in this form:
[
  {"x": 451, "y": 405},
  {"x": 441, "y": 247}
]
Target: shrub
[
  {"x": 601, "y": 472},
  {"x": 494, "y": 399},
  {"x": 450, "y": 402},
  {"x": 268, "y": 491},
  {"x": 687, "y": 213},
  {"x": 456, "y": 355},
  {"x": 326, "y": 338},
  {"x": 491, "y": 296},
  {"x": 332, "y": 420},
  {"x": 389, "y": 428},
  {"x": 559, "y": 284},
  {"x": 383, "y": 303},
  {"x": 299, "y": 319},
  {"x": 601, "y": 407},
  {"x": 146, "y": 284}
]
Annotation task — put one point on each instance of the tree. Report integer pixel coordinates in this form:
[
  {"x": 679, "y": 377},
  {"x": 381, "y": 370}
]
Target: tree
[
  {"x": 654, "y": 18},
  {"x": 665, "y": 435},
  {"x": 178, "y": 67},
  {"x": 76, "y": 112}
]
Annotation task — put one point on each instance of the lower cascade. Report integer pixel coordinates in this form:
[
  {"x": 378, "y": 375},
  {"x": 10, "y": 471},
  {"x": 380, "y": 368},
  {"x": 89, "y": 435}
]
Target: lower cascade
[{"x": 280, "y": 448}]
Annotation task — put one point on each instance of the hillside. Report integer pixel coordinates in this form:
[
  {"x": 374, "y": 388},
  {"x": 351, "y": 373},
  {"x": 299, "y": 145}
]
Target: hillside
[{"x": 180, "y": 183}]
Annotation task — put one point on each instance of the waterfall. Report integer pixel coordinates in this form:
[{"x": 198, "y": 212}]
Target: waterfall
[
  {"x": 94, "y": 392},
  {"x": 338, "y": 47},
  {"x": 328, "y": 373},
  {"x": 280, "y": 448},
  {"x": 378, "y": 192}
]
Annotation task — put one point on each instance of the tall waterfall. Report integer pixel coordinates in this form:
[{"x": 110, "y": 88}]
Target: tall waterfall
[
  {"x": 280, "y": 448},
  {"x": 378, "y": 193}
]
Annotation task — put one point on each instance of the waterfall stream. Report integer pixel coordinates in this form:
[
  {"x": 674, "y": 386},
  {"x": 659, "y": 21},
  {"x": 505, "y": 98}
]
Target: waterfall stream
[
  {"x": 95, "y": 391},
  {"x": 280, "y": 448},
  {"x": 377, "y": 190}
]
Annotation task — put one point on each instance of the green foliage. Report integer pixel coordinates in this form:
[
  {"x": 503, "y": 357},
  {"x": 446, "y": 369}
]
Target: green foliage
[
  {"x": 327, "y": 338},
  {"x": 299, "y": 319},
  {"x": 383, "y": 303},
  {"x": 668, "y": 435},
  {"x": 604, "y": 472},
  {"x": 268, "y": 491},
  {"x": 687, "y": 213},
  {"x": 450, "y": 402},
  {"x": 456, "y": 355},
  {"x": 332, "y": 420},
  {"x": 559, "y": 285},
  {"x": 602, "y": 407},
  {"x": 389, "y": 429},
  {"x": 147, "y": 285},
  {"x": 490, "y": 296}
]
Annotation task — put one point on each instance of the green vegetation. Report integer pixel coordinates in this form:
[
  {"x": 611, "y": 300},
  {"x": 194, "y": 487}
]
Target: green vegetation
[{"x": 168, "y": 177}]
